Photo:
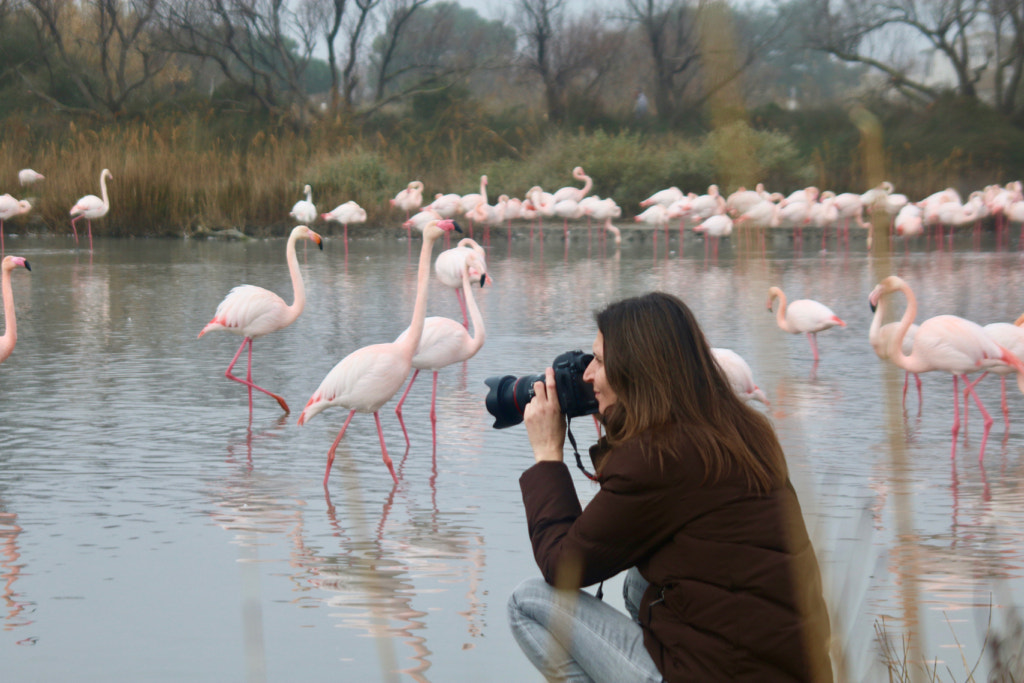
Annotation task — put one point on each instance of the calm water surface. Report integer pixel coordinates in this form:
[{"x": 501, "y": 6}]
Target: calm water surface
[{"x": 148, "y": 531}]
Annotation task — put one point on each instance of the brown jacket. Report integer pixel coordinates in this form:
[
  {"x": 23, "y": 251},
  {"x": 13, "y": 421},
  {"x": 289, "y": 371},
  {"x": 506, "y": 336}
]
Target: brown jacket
[{"x": 735, "y": 590}]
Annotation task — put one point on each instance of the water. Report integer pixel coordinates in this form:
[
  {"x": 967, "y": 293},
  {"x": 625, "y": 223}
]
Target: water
[{"x": 149, "y": 532}]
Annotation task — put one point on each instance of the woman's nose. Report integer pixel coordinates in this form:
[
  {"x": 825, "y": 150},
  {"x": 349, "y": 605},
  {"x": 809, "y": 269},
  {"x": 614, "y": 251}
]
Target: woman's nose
[{"x": 588, "y": 374}]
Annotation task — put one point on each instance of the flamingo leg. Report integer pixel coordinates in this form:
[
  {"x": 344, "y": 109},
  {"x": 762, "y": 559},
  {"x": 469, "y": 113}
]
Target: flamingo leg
[
  {"x": 334, "y": 447},
  {"x": 956, "y": 416},
  {"x": 248, "y": 382},
  {"x": 1006, "y": 408},
  {"x": 384, "y": 449},
  {"x": 985, "y": 416},
  {"x": 906, "y": 381},
  {"x": 433, "y": 411},
  {"x": 813, "y": 337},
  {"x": 920, "y": 400},
  {"x": 398, "y": 408},
  {"x": 75, "y": 230},
  {"x": 89, "y": 222}
]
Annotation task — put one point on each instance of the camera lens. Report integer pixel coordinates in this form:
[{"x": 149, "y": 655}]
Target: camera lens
[{"x": 508, "y": 397}]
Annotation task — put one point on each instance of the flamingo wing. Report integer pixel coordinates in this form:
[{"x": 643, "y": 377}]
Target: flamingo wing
[
  {"x": 89, "y": 206},
  {"x": 807, "y": 315},
  {"x": 444, "y": 342},
  {"x": 364, "y": 380},
  {"x": 250, "y": 311}
]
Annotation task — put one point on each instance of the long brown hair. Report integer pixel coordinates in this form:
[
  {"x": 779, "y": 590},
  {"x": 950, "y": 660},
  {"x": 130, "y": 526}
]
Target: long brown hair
[{"x": 664, "y": 376}]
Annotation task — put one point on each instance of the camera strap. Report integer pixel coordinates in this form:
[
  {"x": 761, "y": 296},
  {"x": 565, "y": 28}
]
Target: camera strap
[{"x": 576, "y": 451}]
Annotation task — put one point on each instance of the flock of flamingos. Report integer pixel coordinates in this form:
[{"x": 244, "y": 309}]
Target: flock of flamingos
[{"x": 371, "y": 376}]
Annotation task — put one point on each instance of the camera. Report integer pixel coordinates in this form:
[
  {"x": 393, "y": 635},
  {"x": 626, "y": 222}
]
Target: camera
[{"x": 509, "y": 395}]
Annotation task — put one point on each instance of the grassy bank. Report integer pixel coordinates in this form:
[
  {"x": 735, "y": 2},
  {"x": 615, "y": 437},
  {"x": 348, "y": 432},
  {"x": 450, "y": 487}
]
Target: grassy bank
[{"x": 185, "y": 172}]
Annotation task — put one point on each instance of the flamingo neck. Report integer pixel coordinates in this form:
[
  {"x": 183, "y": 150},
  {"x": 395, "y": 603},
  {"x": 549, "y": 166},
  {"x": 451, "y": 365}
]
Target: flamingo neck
[
  {"x": 588, "y": 183},
  {"x": 103, "y": 191},
  {"x": 483, "y": 189},
  {"x": 10, "y": 335},
  {"x": 419, "y": 311},
  {"x": 912, "y": 363},
  {"x": 297, "y": 285},
  {"x": 876, "y": 321},
  {"x": 780, "y": 315},
  {"x": 479, "y": 334}
]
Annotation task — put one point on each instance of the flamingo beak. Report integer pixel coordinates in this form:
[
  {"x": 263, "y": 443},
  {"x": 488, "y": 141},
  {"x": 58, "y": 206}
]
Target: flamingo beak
[
  {"x": 457, "y": 228},
  {"x": 27, "y": 267},
  {"x": 319, "y": 240},
  {"x": 483, "y": 280}
]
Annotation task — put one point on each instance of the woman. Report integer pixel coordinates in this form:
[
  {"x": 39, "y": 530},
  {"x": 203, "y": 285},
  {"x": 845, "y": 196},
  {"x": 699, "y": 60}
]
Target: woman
[{"x": 695, "y": 502}]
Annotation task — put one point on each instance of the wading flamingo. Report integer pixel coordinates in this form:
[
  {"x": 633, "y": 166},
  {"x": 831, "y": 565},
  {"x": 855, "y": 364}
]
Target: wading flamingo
[
  {"x": 947, "y": 343},
  {"x": 410, "y": 199},
  {"x": 346, "y": 213},
  {"x": 449, "y": 266},
  {"x": 367, "y": 378},
  {"x": 253, "y": 312},
  {"x": 304, "y": 210},
  {"x": 9, "y": 208},
  {"x": 714, "y": 228},
  {"x": 1011, "y": 338},
  {"x": 90, "y": 206},
  {"x": 10, "y": 336},
  {"x": 880, "y": 337},
  {"x": 803, "y": 316},
  {"x": 665, "y": 197},
  {"x": 739, "y": 375},
  {"x": 27, "y": 176},
  {"x": 446, "y": 342}
]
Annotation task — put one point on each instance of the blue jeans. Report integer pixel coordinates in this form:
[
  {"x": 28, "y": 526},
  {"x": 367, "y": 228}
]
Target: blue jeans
[{"x": 572, "y": 636}]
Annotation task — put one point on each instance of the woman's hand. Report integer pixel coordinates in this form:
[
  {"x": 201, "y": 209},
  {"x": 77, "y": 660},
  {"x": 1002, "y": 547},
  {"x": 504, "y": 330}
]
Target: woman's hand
[{"x": 544, "y": 421}]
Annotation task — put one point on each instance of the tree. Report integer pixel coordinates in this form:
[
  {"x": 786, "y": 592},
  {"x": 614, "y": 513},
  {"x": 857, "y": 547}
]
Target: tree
[{"x": 104, "y": 46}]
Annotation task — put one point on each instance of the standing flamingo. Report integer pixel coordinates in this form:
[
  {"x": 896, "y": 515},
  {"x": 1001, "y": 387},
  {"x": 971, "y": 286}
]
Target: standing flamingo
[
  {"x": 346, "y": 213},
  {"x": 803, "y": 316},
  {"x": 739, "y": 375},
  {"x": 1011, "y": 338},
  {"x": 253, "y": 312},
  {"x": 90, "y": 206},
  {"x": 367, "y": 378},
  {"x": 880, "y": 337},
  {"x": 446, "y": 342},
  {"x": 10, "y": 337},
  {"x": 575, "y": 193},
  {"x": 9, "y": 208},
  {"x": 27, "y": 176},
  {"x": 947, "y": 343},
  {"x": 449, "y": 266},
  {"x": 410, "y": 199},
  {"x": 665, "y": 197},
  {"x": 304, "y": 210},
  {"x": 714, "y": 228}
]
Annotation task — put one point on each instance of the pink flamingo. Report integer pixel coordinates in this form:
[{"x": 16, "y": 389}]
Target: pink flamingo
[
  {"x": 9, "y": 208},
  {"x": 567, "y": 209},
  {"x": 947, "y": 343},
  {"x": 449, "y": 266},
  {"x": 367, "y": 378},
  {"x": 468, "y": 202},
  {"x": 1011, "y": 338},
  {"x": 880, "y": 337},
  {"x": 447, "y": 205},
  {"x": 739, "y": 375},
  {"x": 10, "y": 337},
  {"x": 304, "y": 210},
  {"x": 575, "y": 193},
  {"x": 27, "y": 176},
  {"x": 90, "y": 206},
  {"x": 346, "y": 213},
  {"x": 714, "y": 227},
  {"x": 253, "y": 312},
  {"x": 410, "y": 199},
  {"x": 446, "y": 342},
  {"x": 665, "y": 197},
  {"x": 803, "y": 316}
]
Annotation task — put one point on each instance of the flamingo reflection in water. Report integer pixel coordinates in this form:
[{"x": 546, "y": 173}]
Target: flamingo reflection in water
[{"x": 15, "y": 605}]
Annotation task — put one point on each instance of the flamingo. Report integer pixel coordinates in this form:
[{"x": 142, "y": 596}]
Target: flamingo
[
  {"x": 10, "y": 336},
  {"x": 543, "y": 203},
  {"x": 253, "y": 312},
  {"x": 421, "y": 219},
  {"x": 468, "y": 202},
  {"x": 446, "y": 342},
  {"x": 449, "y": 266},
  {"x": 90, "y": 206},
  {"x": 742, "y": 200},
  {"x": 27, "y": 176},
  {"x": 575, "y": 193},
  {"x": 367, "y": 378},
  {"x": 1011, "y": 338},
  {"x": 604, "y": 210},
  {"x": 446, "y": 205},
  {"x": 947, "y": 343},
  {"x": 739, "y": 375},
  {"x": 346, "y": 213},
  {"x": 880, "y": 337},
  {"x": 567, "y": 209},
  {"x": 665, "y": 197},
  {"x": 9, "y": 208},
  {"x": 803, "y": 316},
  {"x": 714, "y": 227},
  {"x": 410, "y": 199},
  {"x": 304, "y": 210}
]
